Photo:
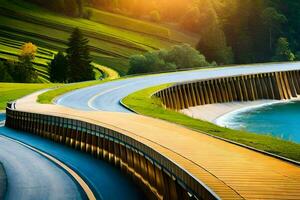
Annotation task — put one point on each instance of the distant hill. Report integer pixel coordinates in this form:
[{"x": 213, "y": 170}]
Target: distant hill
[{"x": 113, "y": 38}]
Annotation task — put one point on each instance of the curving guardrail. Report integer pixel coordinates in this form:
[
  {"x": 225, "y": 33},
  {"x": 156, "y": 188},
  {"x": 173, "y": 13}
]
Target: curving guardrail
[
  {"x": 273, "y": 85},
  {"x": 157, "y": 175}
]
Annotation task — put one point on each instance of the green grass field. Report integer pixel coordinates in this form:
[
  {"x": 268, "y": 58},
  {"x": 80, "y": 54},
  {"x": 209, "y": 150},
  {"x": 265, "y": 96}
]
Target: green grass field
[
  {"x": 13, "y": 91},
  {"x": 111, "y": 45},
  {"x": 143, "y": 103}
]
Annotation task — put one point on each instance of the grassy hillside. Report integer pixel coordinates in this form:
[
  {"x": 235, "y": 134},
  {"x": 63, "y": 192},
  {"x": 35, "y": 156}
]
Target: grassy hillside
[
  {"x": 10, "y": 50},
  {"x": 110, "y": 43}
]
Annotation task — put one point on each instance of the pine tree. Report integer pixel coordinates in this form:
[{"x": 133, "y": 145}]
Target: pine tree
[
  {"x": 59, "y": 69},
  {"x": 78, "y": 56}
]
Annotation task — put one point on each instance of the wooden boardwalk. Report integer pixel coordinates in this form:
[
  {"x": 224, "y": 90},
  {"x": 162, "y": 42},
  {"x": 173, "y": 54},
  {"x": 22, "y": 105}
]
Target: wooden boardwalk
[{"x": 231, "y": 171}]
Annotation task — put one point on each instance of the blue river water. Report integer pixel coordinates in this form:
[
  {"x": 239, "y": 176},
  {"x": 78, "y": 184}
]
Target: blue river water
[
  {"x": 281, "y": 120},
  {"x": 106, "y": 180}
]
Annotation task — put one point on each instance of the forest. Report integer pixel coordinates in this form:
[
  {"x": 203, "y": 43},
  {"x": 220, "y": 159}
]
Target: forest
[{"x": 234, "y": 31}]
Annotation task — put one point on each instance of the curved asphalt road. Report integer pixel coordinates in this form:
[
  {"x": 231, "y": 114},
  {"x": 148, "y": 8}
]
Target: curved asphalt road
[
  {"x": 32, "y": 176},
  {"x": 107, "y": 96}
]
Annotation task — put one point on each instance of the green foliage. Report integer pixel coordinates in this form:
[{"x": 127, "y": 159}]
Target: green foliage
[
  {"x": 21, "y": 71},
  {"x": 272, "y": 20},
  {"x": 71, "y": 8},
  {"x": 5, "y": 76},
  {"x": 214, "y": 46},
  {"x": 24, "y": 71},
  {"x": 59, "y": 68},
  {"x": 87, "y": 14},
  {"x": 78, "y": 56},
  {"x": 178, "y": 57},
  {"x": 213, "y": 42},
  {"x": 283, "y": 51},
  {"x": 297, "y": 56},
  {"x": 113, "y": 38}
]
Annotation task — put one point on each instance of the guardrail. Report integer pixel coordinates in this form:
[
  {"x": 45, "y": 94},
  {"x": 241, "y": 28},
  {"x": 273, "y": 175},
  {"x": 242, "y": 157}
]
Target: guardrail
[
  {"x": 273, "y": 85},
  {"x": 159, "y": 177}
]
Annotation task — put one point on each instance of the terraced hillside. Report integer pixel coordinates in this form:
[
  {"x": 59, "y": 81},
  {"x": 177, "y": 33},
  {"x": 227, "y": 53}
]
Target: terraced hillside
[
  {"x": 10, "y": 50},
  {"x": 111, "y": 45}
]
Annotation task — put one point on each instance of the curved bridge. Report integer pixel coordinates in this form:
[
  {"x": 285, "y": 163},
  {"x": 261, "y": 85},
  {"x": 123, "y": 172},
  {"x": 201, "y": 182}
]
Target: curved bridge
[{"x": 168, "y": 161}]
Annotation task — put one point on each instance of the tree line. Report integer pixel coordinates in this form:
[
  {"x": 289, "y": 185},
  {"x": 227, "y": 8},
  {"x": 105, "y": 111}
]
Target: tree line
[
  {"x": 229, "y": 32},
  {"x": 72, "y": 66},
  {"x": 73, "y": 8},
  {"x": 177, "y": 58},
  {"x": 232, "y": 31}
]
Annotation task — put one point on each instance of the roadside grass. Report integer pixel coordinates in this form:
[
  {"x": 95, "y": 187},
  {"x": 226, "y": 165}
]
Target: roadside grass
[
  {"x": 13, "y": 91},
  {"x": 111, "y": 45},
  {"x": 143, "y": 103}
]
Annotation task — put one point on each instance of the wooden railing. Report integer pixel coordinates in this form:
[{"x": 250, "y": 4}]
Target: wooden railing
[
  {"x": 159, "y": 177},
  {"x": 274, "y": 85}
]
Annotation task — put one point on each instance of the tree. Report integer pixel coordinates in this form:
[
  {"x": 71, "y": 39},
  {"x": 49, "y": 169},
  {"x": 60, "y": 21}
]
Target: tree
[
  {"x": 80, "y": 7},
  {"x": 78, "y": 56},
  {"x": 184, "y": 56},
  {"x": 59, "y": 69},
  {"x": 24, "y": 71},
  {"x": 178, "y": 57},
  {"x": 5, "y": 76},
  {"x": 283, "y": 51},
  {"x": 272, "y": 20},
  {"x": 213, "y": 42},
  {"x": 28, "y": 50},
  {"x": 297, "y": 56}
]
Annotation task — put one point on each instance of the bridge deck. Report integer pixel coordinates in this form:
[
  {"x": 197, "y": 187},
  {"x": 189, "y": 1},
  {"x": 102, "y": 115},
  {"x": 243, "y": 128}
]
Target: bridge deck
[{"x": 229, "y": 170}]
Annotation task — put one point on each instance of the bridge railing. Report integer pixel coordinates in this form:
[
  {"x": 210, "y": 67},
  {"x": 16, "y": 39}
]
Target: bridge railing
[
  {"x": 160, "y": 177},
  {"x": 273, "y": 85}
]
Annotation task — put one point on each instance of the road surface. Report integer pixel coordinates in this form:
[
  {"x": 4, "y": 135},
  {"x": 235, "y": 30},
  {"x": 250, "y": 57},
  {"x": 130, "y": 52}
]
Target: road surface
[
  {"x": 32, "y": 176},
  {"x": 106, "y": 97},
  {"x": 231, "y": 171}
]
